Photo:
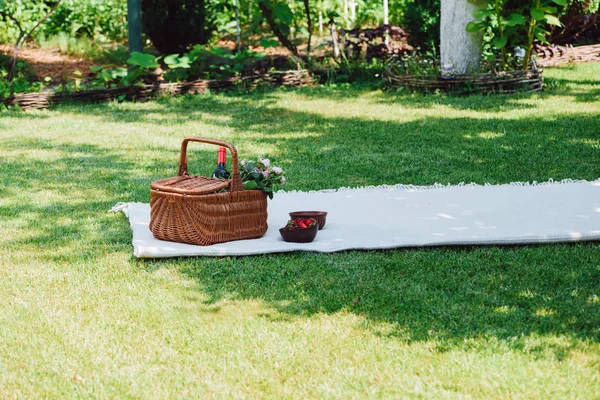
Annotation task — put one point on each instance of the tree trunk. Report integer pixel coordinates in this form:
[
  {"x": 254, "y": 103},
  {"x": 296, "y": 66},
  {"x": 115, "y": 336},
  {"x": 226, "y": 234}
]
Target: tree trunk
[
  {"x": 309, "y": 23},
  {"x": 457, "y": 46},
  {"x": 268, "y": 14}
]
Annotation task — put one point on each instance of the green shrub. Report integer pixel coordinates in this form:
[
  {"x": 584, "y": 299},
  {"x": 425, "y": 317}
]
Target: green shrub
[
  {"x": 174, "y": 25},
  {"x": 22, "y": 80},
  {"x": 510, "y": 23},
  {"x": 421, "y": 20},
  {"x": 99, "y": 20}
]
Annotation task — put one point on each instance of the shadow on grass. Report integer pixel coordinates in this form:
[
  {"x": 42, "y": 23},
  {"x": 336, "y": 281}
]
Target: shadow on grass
[
  {"x": 451, "y": 295},
  {"x": 583, "y": 90},
  {"x": 59, "y": 194},
  {"x": 356, "y": 151}
]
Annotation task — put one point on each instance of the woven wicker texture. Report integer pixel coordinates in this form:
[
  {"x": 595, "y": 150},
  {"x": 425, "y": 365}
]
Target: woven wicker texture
[
  {"x": 551, "y": 56},
  {"x": 30, "y": 101},
  {"x": 186, "y": 209},
  {"x": 502, "y": 82},
  {"x": 190, "y": 185}
]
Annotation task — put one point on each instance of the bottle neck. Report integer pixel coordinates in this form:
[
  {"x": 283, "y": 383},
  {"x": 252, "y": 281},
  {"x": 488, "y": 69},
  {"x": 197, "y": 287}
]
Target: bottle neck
[{"x": 222, "y": 158}]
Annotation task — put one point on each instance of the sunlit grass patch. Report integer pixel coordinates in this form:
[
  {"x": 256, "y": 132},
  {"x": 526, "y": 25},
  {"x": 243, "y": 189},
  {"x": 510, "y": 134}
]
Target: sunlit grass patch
[{"x": 81, "y": 317}]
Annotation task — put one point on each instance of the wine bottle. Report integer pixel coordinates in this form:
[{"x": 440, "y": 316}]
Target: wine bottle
[{"x": 221, "y": 172}]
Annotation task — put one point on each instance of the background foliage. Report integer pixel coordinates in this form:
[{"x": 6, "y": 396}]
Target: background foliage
[
  {"x": 175, "y": 25},
  {"x": 98, "y": 19}
]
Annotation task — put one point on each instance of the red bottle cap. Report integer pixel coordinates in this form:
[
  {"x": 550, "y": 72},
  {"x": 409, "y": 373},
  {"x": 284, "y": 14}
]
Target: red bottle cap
[{"x": 222, "y": 155}]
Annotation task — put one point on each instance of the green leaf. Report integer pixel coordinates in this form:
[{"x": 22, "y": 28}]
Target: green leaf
[
  {"x": 284, "y": 13},
  {"x": 499, "y": 43},
  {"x": 255, "y": 175},
  {"x": 537, "y": 14},
  {"x": 143, "y": 60},
  {"x": 250, "y": 185},
  {"x": 96, "y": 68},
  {"x": 171, "y": 59},
  {"x": 266, "y": 42},
  {"x": 120, "y": 72},
  {"x": 176, "y": 75},
  {"x": 540, "y": 36},
  {"x": 174, "y": 61},
  {"x": 482, "y": 13},
  {"x": 131, "y": 76},
  {"x": 473, "y": 27},
  {"x": 552, "y": 20},
  {"x": 106, "y": 75},
  {"x": 515, "y": 19},
  {"x": 541, "y": 30},
  {"x": 560, "y": 2}
]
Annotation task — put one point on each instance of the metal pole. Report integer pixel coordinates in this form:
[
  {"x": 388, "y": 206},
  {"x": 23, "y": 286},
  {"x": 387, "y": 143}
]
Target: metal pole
[
  {"x": 386, "y": 20},
  {"x": 134, "y": 23},
  {"x": 320, "y": 23},
  {"x": 386, "y": 12}
]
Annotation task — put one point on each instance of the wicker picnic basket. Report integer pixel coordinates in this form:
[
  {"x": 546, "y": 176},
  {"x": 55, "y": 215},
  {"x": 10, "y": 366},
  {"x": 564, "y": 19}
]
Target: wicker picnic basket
[{"x": 197, "y": 210}]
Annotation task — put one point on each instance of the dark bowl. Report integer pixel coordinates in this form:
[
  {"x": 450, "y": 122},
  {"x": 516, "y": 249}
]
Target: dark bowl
[
  {"x": 320, "y": 216},
  {"x": 305, "y": 235}
]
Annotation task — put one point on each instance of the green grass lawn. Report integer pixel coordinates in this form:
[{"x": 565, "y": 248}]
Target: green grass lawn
[{"x": 80, "y": 317}]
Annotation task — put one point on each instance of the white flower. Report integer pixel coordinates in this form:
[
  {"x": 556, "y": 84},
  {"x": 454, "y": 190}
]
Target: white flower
[
  {"x": 265, "y": 173},
  {"x": 244, "y": 163},
  {"x": 277, "y": 170},
  {"x": 283, "y": 180},
  {"x": 265, "y": 161}
]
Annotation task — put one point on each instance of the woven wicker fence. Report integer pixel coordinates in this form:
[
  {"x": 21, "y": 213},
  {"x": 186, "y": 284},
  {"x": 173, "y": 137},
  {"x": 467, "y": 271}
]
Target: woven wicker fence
[
  {"x": 502, "y": 82},
  {"x": 550, "y": 56},
  {"x": 38, "y": 100}
]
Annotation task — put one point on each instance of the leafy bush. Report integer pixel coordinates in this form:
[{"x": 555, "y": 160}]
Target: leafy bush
[
  {"x": 141, "y": 66},
  {"x": 99, "y": 20},
  {"x": 415, "y": 63},
  {"x": 200, "y": 62},
  {"x": 174, "y": 25},
  {"x": 218, "y": 62},
  {"x": 26, "y": 13},
  {"x": 421, "y": 20},
  {"x": 511, "y": 23},
  {"x": 22, "y": 80}
]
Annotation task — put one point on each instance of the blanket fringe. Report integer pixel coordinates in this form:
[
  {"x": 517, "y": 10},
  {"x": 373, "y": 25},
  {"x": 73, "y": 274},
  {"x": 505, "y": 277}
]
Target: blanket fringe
[
  {"x": 435, "y": 186},
  {"x": 120, "y": 206}
]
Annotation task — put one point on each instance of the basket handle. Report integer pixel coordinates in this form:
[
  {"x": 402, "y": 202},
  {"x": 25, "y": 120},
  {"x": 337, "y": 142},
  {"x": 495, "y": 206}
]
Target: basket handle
[{"x": 236, "y": 179}]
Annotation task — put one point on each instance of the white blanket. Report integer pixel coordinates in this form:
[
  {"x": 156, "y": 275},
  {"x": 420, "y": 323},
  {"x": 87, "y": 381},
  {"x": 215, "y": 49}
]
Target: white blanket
[{"x": 388, "y": 217}]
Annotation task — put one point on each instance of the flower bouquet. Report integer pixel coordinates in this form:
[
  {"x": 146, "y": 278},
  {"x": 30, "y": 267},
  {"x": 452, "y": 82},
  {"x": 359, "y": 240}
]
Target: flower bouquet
[{"x": 260, "y": 175}]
